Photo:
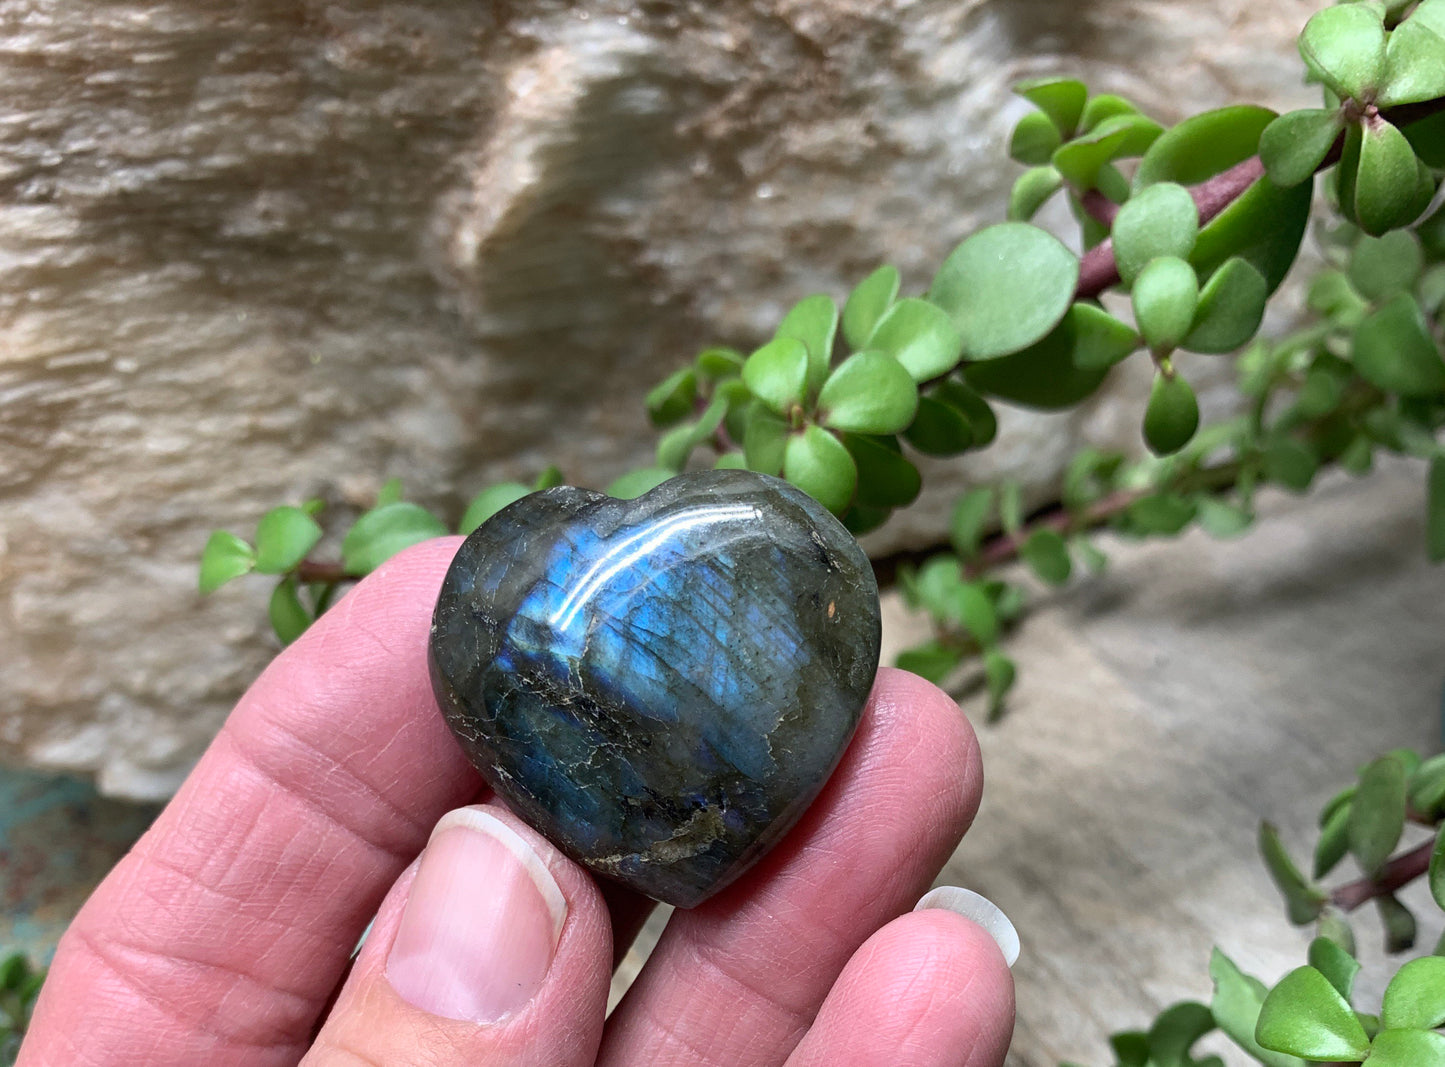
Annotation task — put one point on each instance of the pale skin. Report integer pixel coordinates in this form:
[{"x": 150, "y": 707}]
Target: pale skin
[{"x": 222, "y": 937}]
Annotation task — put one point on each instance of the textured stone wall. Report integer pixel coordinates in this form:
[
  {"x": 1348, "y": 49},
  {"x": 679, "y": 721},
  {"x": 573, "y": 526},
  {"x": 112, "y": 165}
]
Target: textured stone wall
[{"x": 257, "y": 251}]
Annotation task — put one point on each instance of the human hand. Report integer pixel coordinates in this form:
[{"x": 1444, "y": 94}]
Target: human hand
[{"x": 221, "y": 937}]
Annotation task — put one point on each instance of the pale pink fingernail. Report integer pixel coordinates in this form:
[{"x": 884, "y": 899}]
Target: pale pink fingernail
[{"x": 480, "y": 925}]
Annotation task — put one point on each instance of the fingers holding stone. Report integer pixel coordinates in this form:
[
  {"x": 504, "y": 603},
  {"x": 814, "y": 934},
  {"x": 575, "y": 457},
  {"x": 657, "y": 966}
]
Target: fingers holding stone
[
  {"x": 493, "y": 948},
  {"x": 738, "y": 980}
]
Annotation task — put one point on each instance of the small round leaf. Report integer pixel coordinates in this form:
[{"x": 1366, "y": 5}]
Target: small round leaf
[
  {"x": 1047, "y": 554},
  {"x": 777, "y": 373},
  {"x": 635, "y": 483},
  {"x": 671, "y": 399},
  {"x": 1031, "y": 191},
  {"x": 1414, "y": 65},
  {"x": 1165, "y": 298},
  {"x": 1304, "y": 1015},
  {"x": 939, "y": 429},
  {"x": 1034, "y": 139},
  {"x": 289, "y": 617},
  {"x": 490, "y": 501},
  {"x": 283, "y": 537},
  {"x": 383, "y": 532},
  {"x": 886, "y": 478},
  {"x": 1160, "y": 220},
  {"x": 1344, "y": 46},
  {"x": 813, "y": 321},
  {"x": 817, "y": 463},
  {"x": 1061, "y": 99},
  {"x": 1386, "y": 183},
  {"x": 1407, "y": 1048},
  {"x": 920, "y": 336},
  {"x": 1231, "y": 308},
  {"x": 869, "y": 392},
  {"x": 1394, "y": 350},
  {"x": 1383, "y": 267},
  {"x": 866, "y": 304},
  {"x": 1104, "y": 106},
  {"x": 1172, "y": 416},
  {"x": 1294, "y": 145},
  {"x": 1006, "y": 287},
  {"x": 1415, "y": 997},
  {"x": 764, "y": 440},
  {"x": 719, "y": 362},
  {"x": 224, "y": 558}
]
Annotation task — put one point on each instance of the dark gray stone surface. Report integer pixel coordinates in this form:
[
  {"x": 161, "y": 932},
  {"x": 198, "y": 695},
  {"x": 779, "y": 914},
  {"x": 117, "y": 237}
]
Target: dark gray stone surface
[{"x": 661, "y": 685}]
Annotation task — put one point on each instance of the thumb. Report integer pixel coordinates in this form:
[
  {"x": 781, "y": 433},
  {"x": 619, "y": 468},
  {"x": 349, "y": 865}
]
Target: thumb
[{"x": 492, "y": 949}]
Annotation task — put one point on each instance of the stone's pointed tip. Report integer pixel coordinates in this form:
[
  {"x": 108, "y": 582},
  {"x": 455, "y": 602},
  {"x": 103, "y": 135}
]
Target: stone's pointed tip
[
  {"x": 626, "y": 673},
  {"x": 978, "y": 909}
]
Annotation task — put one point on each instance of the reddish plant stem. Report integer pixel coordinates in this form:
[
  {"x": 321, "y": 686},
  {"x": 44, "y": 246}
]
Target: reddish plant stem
[
  {"x": 310, "y": 570},
  {"x": 1099, "y": 207},
  {"x": 1395, "y": 875}
]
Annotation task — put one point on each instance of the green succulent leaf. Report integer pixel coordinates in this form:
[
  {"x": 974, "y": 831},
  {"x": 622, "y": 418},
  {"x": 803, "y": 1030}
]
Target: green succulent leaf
[
  {"x": 777, "y": 373},
  {"x": 1294, "y": 145},
  {"x": 635, "y": 483},
  {"x": 1140, "y": 134},
  {"x": 765, "y": 439},
  {"x": 1063, "y": 368},
  {"x": 731, "y": 461},
  {"x": 1427, "y": 138},
  {"x": 1172, "y": 416},
  {"x": 1415, "y": 997},
  {"x": 939, "y": 428},
  {"x": 1231, "y": 308},
  {"x": 1203, "y": 145},
  {"x": 1335, "y": 964},
  {"x": 867, "y": 303},
  {"x": 1006, "y": 287},
  {"x": 1377, "y": 813},
  {"x": 1235, "y": 1007},
  {"x": 886, "y": 478},
  {"x": 1165, "y": 298},
  {"x": 389, "y": 493},
  {"x": 1061, "y": 99},
  {"x": 920, "y": 336},
  {"x": 1034, "y": 139},
  {"x": 1082, "y": 160},
  {"x": 1104, "y": 106},
  {"x": 1334, "y": 842},
  {"x": 1290, "y": 463},
  {"x": 932, "y": 660},
  {"x": 224, "y": 558},
  {"x": 813, "y": 321},
  {"x": 289, "y": 617},
  {"x": 1164, "y": 514},
  {"x": 1047, "y": 554},
  {"x": 719, "y": 362},
  {"x": 1031, "y": 190},
  {"x": 975, "y": 407},
  {"x": 999, "y": 673},
  {"x": 869, "y": 392},
  {"x": 969, "y": 521},
  {"x": 670, "y": 400},
  {"x": 1161, "y": 220},
  {"x": 1344, "y": 47},
  {"x": 818, "y": 463},
  {"x": 490, "y": 501},
  {"x": 1383, "y": 267},
  {"x": 1435, "y": 510},
  {"x": 1394, "y": 350},
  {"x": 1222, "y": 520},
  {"x": 1399, "y": 923},
  {"x": 1414, "y": 65},
  {"x": 382, "y": 532},
  {"x": 1383, "y": 185},
  {"x": 283, "y": 537},
  {"x": 1407, "y": 1048},
  {"x": 1175, "y": 1032},
  {"x": 550, "y": 478},
  {"x": 1303, "y": 901},
  {"x": 1304, "y": 1015}
]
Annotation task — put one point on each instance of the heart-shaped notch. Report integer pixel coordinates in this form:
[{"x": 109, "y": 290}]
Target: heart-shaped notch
[{"x": 661, "y": 685}]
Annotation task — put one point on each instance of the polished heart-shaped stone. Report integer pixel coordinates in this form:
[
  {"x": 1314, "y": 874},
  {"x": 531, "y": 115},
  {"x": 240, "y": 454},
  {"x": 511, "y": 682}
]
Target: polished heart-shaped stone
[{"x": 662, "y": 685}]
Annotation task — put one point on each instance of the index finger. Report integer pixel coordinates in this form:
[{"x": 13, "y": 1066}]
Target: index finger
[{"x": 219, "y": 938}]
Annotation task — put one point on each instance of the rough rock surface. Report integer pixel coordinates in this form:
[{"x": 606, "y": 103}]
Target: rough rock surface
[{"x": 260, "y": 251}]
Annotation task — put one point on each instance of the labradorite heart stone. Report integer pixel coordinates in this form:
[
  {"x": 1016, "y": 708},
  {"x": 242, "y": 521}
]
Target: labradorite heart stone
[{"x": 662, "y": 685}]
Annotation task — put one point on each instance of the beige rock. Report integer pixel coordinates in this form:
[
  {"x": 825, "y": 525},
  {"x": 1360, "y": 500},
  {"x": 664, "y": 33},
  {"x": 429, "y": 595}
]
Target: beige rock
[{"x": 255, "y": 252}]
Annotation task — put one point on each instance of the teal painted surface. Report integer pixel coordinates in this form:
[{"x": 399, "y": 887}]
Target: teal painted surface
[{"x": 58, "y": 839}]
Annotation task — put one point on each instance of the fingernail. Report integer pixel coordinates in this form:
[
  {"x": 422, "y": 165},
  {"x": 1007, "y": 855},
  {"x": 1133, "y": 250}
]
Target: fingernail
[
  {"x": 480, "y": 925},
  {"x": 977, "y": 908}
]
